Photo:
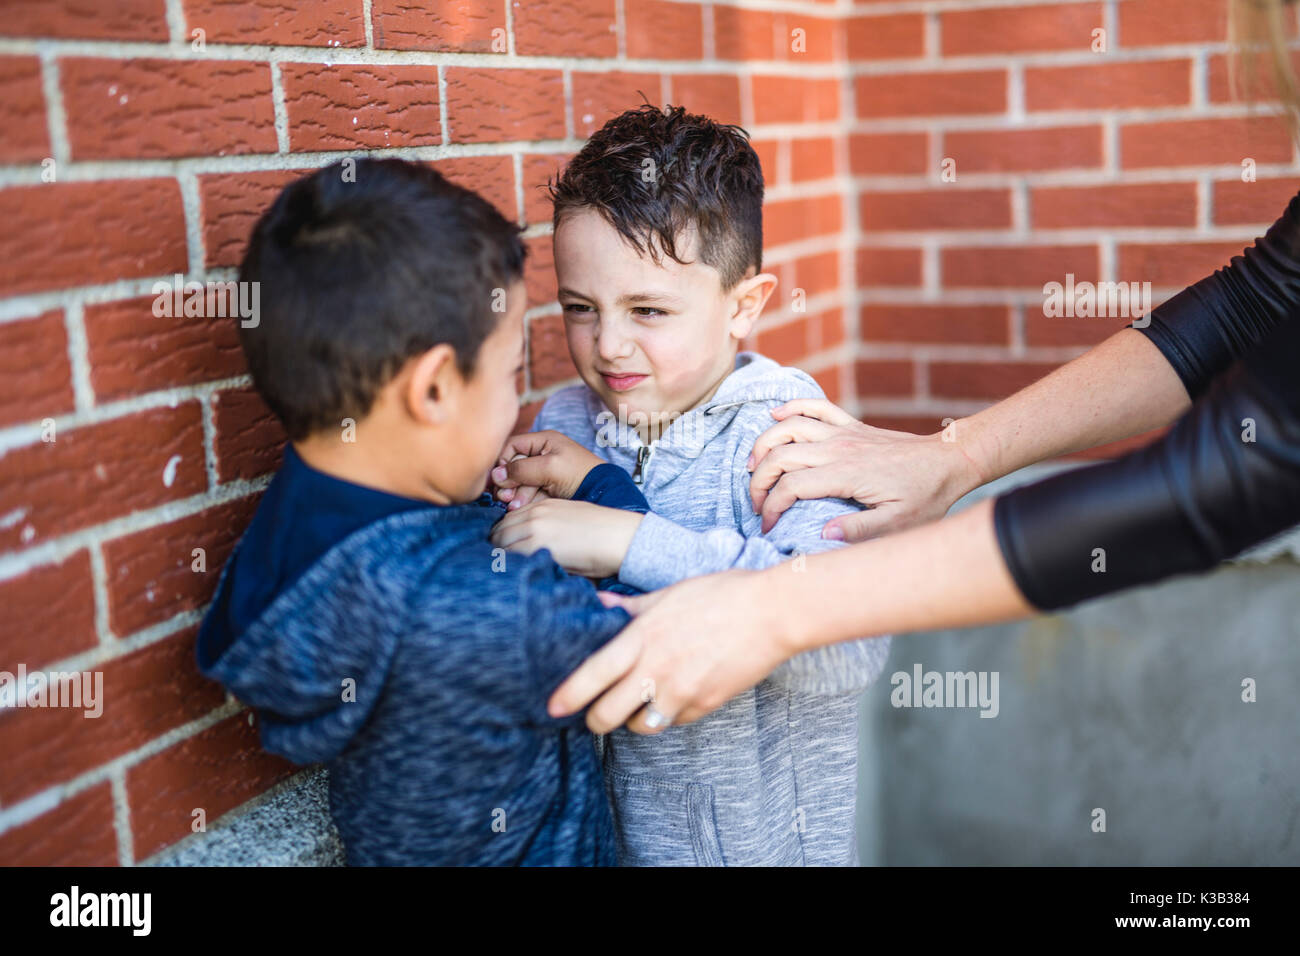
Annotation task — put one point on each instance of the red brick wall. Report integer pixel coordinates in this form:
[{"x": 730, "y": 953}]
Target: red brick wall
[{"x": 918, "y": 298}]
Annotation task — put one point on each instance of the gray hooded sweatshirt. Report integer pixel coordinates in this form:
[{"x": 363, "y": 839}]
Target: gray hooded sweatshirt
[{"x": 770, "y": 778}]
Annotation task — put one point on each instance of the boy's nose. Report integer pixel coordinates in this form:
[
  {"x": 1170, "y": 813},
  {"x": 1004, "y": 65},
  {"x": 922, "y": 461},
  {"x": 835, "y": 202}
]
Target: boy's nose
[{"x": 612, "y": 344}]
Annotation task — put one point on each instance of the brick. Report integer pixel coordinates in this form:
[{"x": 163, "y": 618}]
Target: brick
[
  {"x": 663, "y": 30},
  {"x": 816, "y": 43},
  {"x": 133, "y": 351},
  {"x": 945, "y": 208},
  {"x": 1157, "y": 22},
  {"x": 151, "y": 575},
  {"x": 1016, "y": 267},
  {"x": 1237, "y": 203},
  {"x": 984, "y": 380},
  {"x": 1140, "y": 204},
  {"x": 714, "y": 95},
  {"x": 151, "y": 108},
  {"x": 77, "y": 832},
  {"x": 792, "y": 341},
  {"x": 812, "y": 159},
  {"x": 769, "y": 158},
  {"x": 565, "y": 28},
  {"x": 538, "y": 170},
  {"x": 745, "y": 35},
  {"x": 56, "y": 605},
  {"x": 791, "y": 220},
  {"x": 24, "y": 134},
  {"x": 886, "y": 154},
  {"x": 249, "y": 438},
  {"x": 816, "y": 274},
  {"x": 331, "y": 23},
  {"x": 145, "y": 694},
  {"x": 216, "y": 770},
  {"x": 548, "y": 352},
  {"x": 527, "y": 105},
  {"x": 1173, "y": 265},
  {"x": 1024, "y": 150},
  {"x": 81, "y": 233},
  {"x": 35, "y": 376},
  {"x": 830, "y": 380},
  {"x": 886, "y": 37},
  {"x": 785, "y": 343},
  {"x": 539, "y": 271},
  {"x": 1063, "y": 331},
  {"x": 788, "y": 99},
  {"x": 1020, "y": 29},
  {"x": 461, "y": 26},
  {"x": 232, "y": 203},
  {"x": 599, "y": 97},
  {"x": 344, "y": 106},
  {"x": 98, "y": 472},
  {"x": 1109, "y": 86},
  {"x": 935, "y": 324},
  {"x": 79, "y": 19},
  {"x": 1204, "y": 142},
  {"x": 885, "y": 377},
  {"x": 887, "y": 266},
  {"x": 492, "y": 177},
  {"x": 931, "y": 94}
]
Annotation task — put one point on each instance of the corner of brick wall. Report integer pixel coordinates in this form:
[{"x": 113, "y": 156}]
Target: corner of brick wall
[{"x": 910, "y": 298}]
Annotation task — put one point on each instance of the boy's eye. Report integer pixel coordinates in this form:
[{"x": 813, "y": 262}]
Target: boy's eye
[
  {"x": 576, "y": 307},
  {"x": 648, "y": 311}
]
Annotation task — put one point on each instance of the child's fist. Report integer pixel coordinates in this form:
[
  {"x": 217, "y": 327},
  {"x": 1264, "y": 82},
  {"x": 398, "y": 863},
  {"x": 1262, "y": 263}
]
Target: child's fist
[{"x": 541, "y": 461}]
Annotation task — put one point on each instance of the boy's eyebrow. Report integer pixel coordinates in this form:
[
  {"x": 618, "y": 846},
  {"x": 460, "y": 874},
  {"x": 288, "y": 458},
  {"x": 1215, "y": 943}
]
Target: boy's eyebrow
[
  {"x": 630, "y": 298},
  {"x": 663, "y": 298}
]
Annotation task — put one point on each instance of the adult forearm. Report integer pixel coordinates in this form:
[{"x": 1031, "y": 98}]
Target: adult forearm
[
  {"x": 1120, "y": 388},
  {"x": 948, "y": 573}
]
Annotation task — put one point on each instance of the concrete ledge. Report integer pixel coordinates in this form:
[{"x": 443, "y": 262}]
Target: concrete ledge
[{"x": 288, "y": 825}]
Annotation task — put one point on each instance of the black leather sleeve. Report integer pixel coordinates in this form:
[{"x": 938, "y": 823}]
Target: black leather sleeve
[
  {"x": 1225, "y": 477},
  {"x": 1207, "y": 326}
]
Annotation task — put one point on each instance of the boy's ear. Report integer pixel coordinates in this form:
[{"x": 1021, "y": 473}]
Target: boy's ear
[
  {"x": 432, "y": 385},
  {"x": 748, "y": 298}
]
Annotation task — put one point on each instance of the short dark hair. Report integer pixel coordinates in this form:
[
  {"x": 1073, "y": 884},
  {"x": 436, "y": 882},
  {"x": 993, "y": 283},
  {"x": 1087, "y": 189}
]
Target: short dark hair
[
  {"x": 362, "y": 267},
  {"x": 704, "y": 174}
]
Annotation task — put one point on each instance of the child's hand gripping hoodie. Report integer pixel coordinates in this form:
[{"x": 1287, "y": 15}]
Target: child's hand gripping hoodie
[{"x": 770, "y": 777}]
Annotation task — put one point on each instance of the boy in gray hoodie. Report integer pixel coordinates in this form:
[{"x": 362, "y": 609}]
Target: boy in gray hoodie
[{"x": 658, "y": 249}]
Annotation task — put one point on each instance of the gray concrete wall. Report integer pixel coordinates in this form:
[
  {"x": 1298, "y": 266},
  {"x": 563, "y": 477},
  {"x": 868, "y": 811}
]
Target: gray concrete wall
[{"x": 1132, "y": 704}]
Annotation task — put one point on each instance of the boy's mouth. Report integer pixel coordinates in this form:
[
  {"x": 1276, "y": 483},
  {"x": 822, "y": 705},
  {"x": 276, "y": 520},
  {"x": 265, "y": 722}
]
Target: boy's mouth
[{"x": 622, "y": 382}]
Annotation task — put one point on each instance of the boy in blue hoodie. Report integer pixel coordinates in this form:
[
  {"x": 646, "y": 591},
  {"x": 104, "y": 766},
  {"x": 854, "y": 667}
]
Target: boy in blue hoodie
[
  {"x": 364, "y": 614},
  {"x": 658, "y": 253}
]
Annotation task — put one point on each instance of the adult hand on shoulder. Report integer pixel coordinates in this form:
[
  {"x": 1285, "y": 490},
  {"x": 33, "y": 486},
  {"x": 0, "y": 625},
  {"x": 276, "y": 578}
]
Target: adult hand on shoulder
[
  {"x": 689, "y": 649},
  {"x": 818, "y": 450}
]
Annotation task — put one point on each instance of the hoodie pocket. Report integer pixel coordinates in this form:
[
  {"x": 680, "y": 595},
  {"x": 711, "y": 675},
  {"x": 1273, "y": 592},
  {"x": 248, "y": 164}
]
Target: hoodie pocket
[{"x": 660, "y": 823}]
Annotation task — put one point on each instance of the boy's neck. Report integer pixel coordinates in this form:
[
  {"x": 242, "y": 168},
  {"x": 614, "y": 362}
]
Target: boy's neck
[{"x": 364, "y": 462}]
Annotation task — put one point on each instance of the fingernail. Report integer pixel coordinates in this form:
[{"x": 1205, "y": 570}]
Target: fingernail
[
  {"x": 498, "y": 474},
  {"x": 834, "y": 533}
]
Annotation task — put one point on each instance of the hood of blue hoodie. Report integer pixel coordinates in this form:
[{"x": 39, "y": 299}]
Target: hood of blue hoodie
[{"x": 335, "y": 619}]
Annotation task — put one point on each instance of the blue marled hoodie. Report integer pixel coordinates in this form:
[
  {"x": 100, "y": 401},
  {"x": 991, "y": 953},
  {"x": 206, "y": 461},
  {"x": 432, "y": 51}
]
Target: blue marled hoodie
[
  {"x": 446, "y": 755},
  {"x": 771, "y": 777}
]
